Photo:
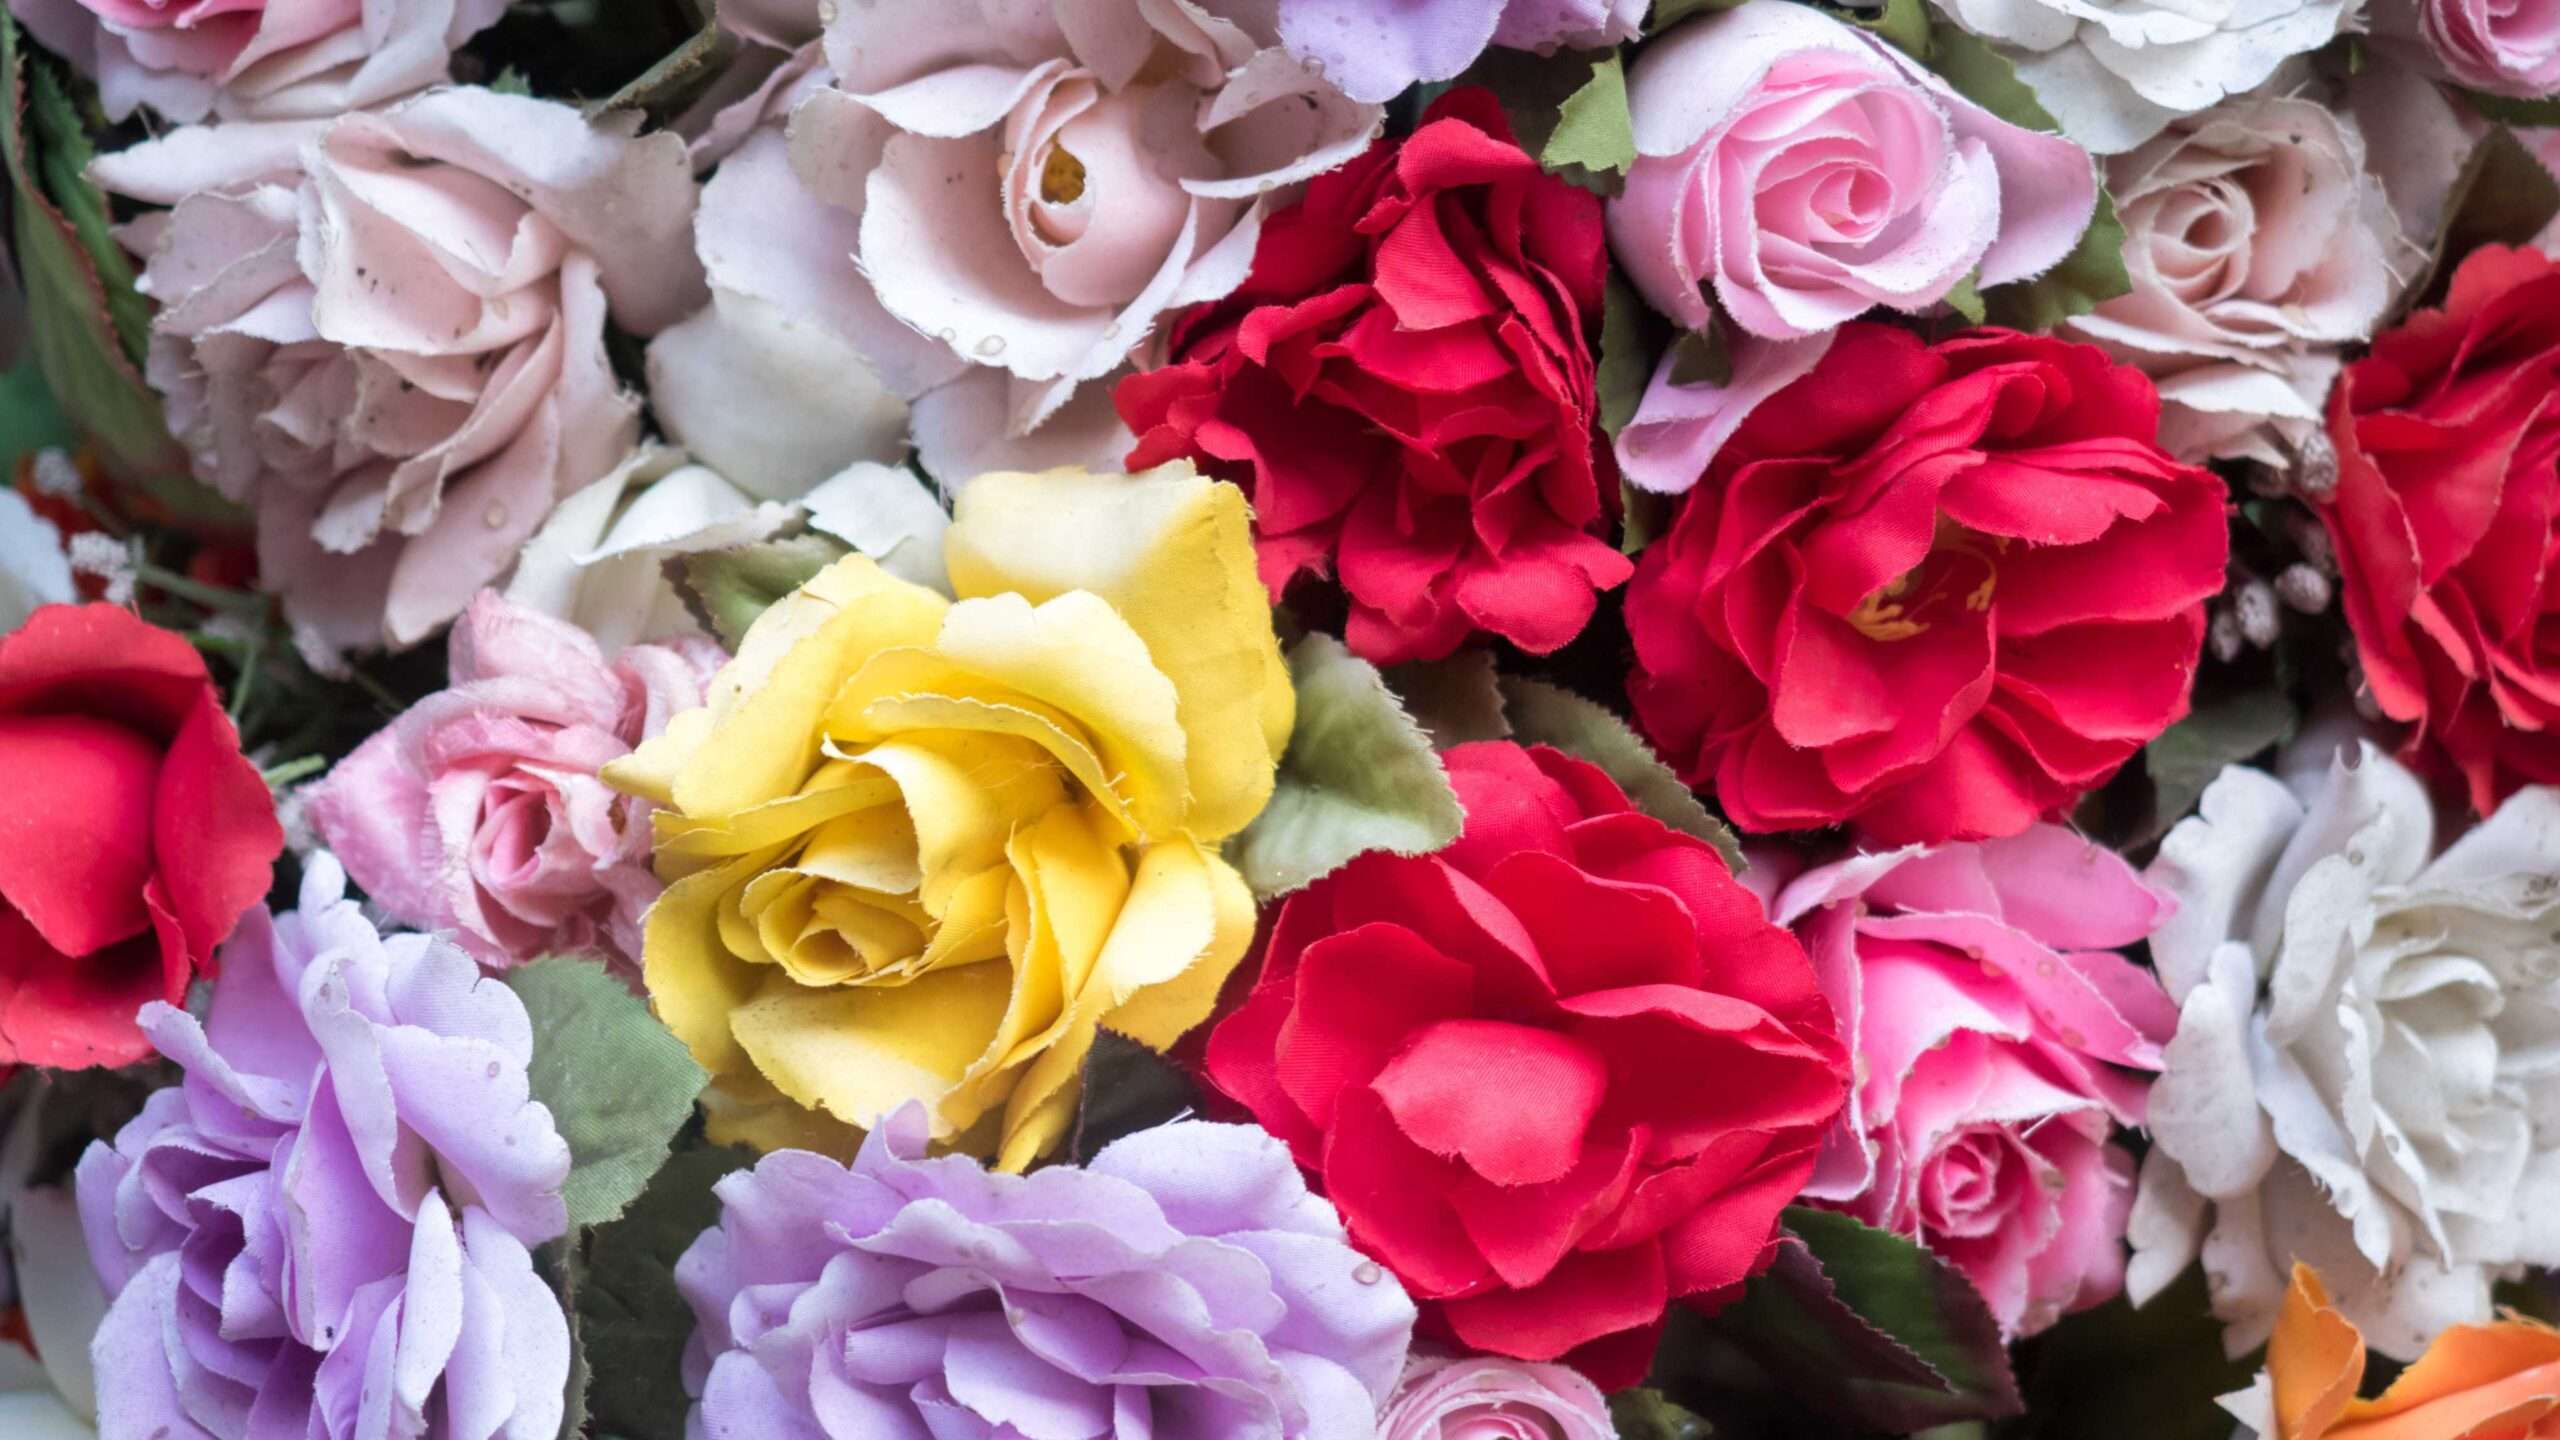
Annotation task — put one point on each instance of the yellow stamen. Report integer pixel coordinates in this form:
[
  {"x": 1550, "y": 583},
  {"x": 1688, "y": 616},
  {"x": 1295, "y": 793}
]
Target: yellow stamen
[{"x": 1062, "y": 177}]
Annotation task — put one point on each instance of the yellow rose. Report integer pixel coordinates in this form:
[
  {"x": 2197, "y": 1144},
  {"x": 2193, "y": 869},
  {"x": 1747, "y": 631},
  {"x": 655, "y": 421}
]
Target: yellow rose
[{"x": 923, "y": 849}]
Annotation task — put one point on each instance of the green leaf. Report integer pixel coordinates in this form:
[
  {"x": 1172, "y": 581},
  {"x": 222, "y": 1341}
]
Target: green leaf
[
  {"x": 29, "y": 420},
  {"x": 1645, "y": 1414},
  {"x": 1871, "y": 1328},
  {"x": 2117, "y": 1371},
  {"x": 2217, "y": 733},
  {"x": 1985, "y": 77},
  {"x": 2092, "y": 273},
  {"x": 619, "y": 1084},
  {"x": 629, "y": 1321},
  {"x": 1127, "y": 1088},
  {"x": 2509, "y": 110},
  {"x": 80, "y": 301},
  {"x": 1542, "y": 714},
  {"x": 1595, "y": 133},
  {"x": 1966, "y": 298},
  {"x": 1630, "y": 340},
  {"x": 1359, "y": 775},
  {"x": 1702, "y": 356},
  {"x": 2504, "y": 196},
  {"x": 1667, "y": 13},
  {"x": 1455, "y": 700},
  {"x": 727, "y": 589},
  {"x": 1903, "y": 24},
  {"x": 676, "y": 78},
  {"x": 1644, "y": 515}
]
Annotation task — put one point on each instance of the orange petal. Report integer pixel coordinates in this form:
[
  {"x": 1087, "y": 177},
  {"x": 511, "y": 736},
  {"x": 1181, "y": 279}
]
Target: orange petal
[{"x": 2315, "y": 1361}]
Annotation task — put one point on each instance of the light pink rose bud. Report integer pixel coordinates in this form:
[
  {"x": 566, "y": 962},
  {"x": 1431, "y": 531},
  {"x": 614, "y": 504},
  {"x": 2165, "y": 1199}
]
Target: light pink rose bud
[
  {"x": 479, "y": 810},
  {"x": 2259, "y": 243},
  {"x": 1475, "y": 1398},
  {"x": 2506, "y": 47},
  {"x": 256, "y": 59},
  {"x": 1998, "y": 1042},
  {"x": 384, "y": 333},
  {"x": 1808, "y": 171}
]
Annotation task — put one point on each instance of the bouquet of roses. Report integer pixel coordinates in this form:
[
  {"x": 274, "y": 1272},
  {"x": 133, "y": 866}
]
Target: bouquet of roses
[{"x": 1280, "y": 719}]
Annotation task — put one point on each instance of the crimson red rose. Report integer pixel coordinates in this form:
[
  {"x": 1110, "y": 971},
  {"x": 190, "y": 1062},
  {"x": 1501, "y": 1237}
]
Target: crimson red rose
[
  {"x": 1405, "y": 386},
  {"x": 2446, "y": 522},
  {"x": 133, "y": 833},
  {"x": 1556, "y": 1076},
  {"x": 1937, "y": 590}
]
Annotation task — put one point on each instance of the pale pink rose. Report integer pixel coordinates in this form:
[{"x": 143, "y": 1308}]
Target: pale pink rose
[
  {"x": 1019, "y": 192},
  {"x": 1808, "y": 171},
  {"x": 2259, "y": 243},
  {"x": 2506, "y": 47},
  {"x": 479, "y": 811},
  {"x": 1480, "y": 1398},
  {"x": 1997, "y": 1044},
  {"x": 256, "y": 59},
  {"x": 385, "y": 334}
]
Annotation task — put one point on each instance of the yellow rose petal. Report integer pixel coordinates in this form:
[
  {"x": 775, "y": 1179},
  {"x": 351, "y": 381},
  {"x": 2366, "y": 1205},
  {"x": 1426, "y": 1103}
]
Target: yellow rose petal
[
  {"x": 860, "y": 1051},
  {"x": 1158, "y": 1013},
  {"x": 694, "y": 980}
]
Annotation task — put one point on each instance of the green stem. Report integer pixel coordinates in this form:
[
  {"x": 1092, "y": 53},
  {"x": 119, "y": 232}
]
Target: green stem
[
  {"x": 196, "y": 592},
  {"x": 292, "y": 770}
]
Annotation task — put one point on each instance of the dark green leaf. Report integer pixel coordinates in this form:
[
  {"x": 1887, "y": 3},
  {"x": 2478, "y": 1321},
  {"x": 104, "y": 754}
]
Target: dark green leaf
[
  {"x": 1903, "y": 24},
  {"x": 1644, "y": 1414},
  {"x": 2116, "y": 1371},
  {"x": 1455, "y": 700},
  {"x": 2092, "y": 273},
  {"x": 631, "y": 1324},
  {"x": 1985, "y": 77},
  {"x": 2504, "y": 196},
  {"x": 1667, "y": 13},
  {"x": 1966, "y": 298},
  {"x": 677, "y": 77},
  {"x": 1630, "y": 340},
  {"x": 1542, "y": 714},
  {"x": 1127, "y": 1088},
  {"x": 1569, "y": 109},
  {"x": 1702, "y": 357},
  {"x": 2222, "y": 731},
  {"x": 2508, "y": 110},
  {"x": 1872, "y": 1329},
  {"x": 619, "y": 1084},
  {"x": 64, "y": 152},
  {"x": 1595, "y": 134},
  {"x": 1359, "y": 775},
  {"x": 727, "y": 589},
  {"x": 29, "y": 420},
  {"x": 1645, "y": 516}
]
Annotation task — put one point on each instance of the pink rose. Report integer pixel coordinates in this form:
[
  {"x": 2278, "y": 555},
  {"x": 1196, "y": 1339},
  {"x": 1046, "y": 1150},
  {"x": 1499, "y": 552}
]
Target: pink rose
[
  {"x": 256, "y": 59},
  {"x": 2506, "y": 47},
  {"x": 995, "y": 202},
  {"x": 1809, "y": 171},
  {"x": 479, "y": 812},
  {"x": 1997, "y": 1040},
  {"x": 2260, "y": 244},
  {"x": 385, "y": 333},
  {"x": 1474, "y": 1398}
]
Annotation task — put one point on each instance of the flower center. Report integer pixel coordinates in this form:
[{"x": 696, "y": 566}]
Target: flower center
[
  {"x": 1961, "y": 566},
  {"x": 1062, "y": 177}
]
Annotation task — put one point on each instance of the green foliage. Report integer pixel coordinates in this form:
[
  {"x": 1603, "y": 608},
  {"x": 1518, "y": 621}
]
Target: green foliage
[
  {"x": 677, "y": 77},
  {"x": 1631, "y": 337},
  {"x": 1667, "y": 13},
  {"x": 1645, "y": 1414},
  {"x": 2504, "y": 196},
  {"x": 2508, "y": 110},
  {"x": 1127, "y": 1088},
  {"x": 627, "y": 1320},
  {"x": 1595, "y": 134},
  {"x": 1542, "y": 714},
  {"x": 2117, "y": 1371},
  {"x": 727, "y": 589},
  {"x": 2221, "y": 730},
  {"x": 1359, "y": 775},
  {"x": 618, "y": 1084},
  {"x": 1454, "y": 700}
]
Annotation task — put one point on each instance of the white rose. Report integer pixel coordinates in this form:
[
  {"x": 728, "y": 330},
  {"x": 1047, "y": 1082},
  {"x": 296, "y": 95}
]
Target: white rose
[
  {"x": 54, "y": 1398},
  {"x": 2366, "y": 1074},
  {"x": 2114, "y": 72},
  {"x": 33, "y": 569},
  {"x": 2258, "y": 243}
]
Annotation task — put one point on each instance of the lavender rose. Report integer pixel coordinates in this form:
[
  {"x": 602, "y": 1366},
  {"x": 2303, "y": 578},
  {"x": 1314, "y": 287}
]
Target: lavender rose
[
  {"x": 325, "y": 1229},
  {"x": 1374, "y": 51},
  {"x": 256, "y": 59},
  {"x": 2259, "y": 244},
  {"x": 385, "y": 334},
  {"x": 1183, "y": 1285}
]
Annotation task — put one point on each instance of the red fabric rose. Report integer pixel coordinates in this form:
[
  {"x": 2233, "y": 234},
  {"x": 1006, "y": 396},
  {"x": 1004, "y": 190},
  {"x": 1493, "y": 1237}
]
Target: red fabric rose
[
  {"x": 1937, "y": 590},
  {"x": 1556, "y": 1076},
  {"x": 1405, "y": 386},
  {"x": 2446, "y": 522},
  {"x": 132, "y": 835}
]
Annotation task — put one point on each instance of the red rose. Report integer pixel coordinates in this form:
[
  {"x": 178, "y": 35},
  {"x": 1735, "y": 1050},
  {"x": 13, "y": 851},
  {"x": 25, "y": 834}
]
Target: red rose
[
  {"x": 132, "y": 836},
  {"x": 1556, "y": 1076},
  {"x": 2446, "y": 522},
  {"x": 1405, "y": 387},
  {"x": 1938, "y": 590}
]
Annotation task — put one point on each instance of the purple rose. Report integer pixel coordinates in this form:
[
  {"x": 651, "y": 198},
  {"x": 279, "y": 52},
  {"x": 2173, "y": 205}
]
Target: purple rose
[
  {"x": 1184, "y": 1285},
  {"x": 1375, "y": 50},
  {"x": 323, "y": 1230}
]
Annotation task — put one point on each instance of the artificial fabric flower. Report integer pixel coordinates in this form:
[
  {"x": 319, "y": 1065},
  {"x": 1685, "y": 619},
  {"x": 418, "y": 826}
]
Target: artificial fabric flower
[
  {"x": 1474, "y": 1397},
  {"x": 2259, "y": 244},
  {"x": 995, "y": 203},
  {"x": 384, "y": 333},
  {"x": 50, "y": 1302},
  {"x": 1405, "y": 385},
  {"x": 34, "y": 570},
  {"x": 135, "y": 831},
  {"x": 2114, "y": 73},
  {"x": 2446, "y": 523},
  {"x": 1180, "y": 1285},
  {"x": 1375, "y": 52},
  {"x": 1806, "y": 171},
  {"x": 1558, "y": 1075},
  {"x": 600, "y": 561},
  {"x": 2360, "y": 1075},
  {"x": 325, "y": 1231},
  {"x": 2499, "y": 1381},
  {"x": 923, "y": 850},
  {"x": 1934, "y": 591},
  {"x": 479, "y": 812},
  {"x": 256, "y": 59},
  {"x": 2505, "y": 49},
  {"x": 1997, "y": 1043}
]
